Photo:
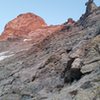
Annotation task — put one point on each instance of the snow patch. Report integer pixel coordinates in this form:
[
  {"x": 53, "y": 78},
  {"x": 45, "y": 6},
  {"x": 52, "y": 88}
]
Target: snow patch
[
  {"x": 4, "y": 55},
  {"x": 26, "y": 40}
]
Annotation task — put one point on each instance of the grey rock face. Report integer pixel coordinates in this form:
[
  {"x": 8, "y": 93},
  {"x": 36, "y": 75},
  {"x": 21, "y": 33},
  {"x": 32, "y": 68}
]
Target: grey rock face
[
  {"x": 91, "y": 6},
  {"x": 64, "y": 66}
]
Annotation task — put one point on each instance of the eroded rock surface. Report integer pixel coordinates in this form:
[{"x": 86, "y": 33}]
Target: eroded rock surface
[
  {"x": 58, "y": 65},
  {"x": 22, "y": 25}
]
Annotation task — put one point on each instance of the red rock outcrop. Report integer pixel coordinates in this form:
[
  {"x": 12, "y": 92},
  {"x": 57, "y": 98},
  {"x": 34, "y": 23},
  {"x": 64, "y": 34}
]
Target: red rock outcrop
[
  {"x": 30, "y": 27},
  {"x": 22, "y": 25}
]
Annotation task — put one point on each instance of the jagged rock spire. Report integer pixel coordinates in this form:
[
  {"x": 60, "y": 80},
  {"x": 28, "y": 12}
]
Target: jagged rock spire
[{"x": 90, "y": 6}]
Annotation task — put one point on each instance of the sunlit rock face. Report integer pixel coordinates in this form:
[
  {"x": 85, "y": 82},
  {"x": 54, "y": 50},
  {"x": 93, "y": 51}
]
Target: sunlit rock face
[
  {"x": 57, "y": 62},
  {"x": 22, "y": 25},
  {"x": 28, "y": 26}
]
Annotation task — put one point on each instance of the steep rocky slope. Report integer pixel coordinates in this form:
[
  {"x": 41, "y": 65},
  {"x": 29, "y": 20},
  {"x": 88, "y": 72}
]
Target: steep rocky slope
[{"x": 53, "y": 62}]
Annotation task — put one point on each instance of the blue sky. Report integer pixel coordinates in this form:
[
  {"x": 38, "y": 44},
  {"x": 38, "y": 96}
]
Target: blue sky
[{"x": 52, "y": 11}]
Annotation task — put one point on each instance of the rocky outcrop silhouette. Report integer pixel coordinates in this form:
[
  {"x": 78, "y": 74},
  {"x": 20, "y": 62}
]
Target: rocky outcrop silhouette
[
  {"x": 90, "y": 7},
  {"x": 51, "y": 62}
]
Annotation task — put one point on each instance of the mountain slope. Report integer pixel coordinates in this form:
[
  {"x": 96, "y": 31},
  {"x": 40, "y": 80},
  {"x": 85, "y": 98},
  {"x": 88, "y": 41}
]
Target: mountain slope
[{"x": 61, "y": 63}]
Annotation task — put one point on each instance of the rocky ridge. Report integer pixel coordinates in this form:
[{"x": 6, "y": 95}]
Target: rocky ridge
[
  {"x": 22, "y": 25},
  {"x": 53, "y": 62}
]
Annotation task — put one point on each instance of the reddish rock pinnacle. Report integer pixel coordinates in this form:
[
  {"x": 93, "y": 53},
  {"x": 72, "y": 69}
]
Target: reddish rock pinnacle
[{"x": 22, "y": 25}]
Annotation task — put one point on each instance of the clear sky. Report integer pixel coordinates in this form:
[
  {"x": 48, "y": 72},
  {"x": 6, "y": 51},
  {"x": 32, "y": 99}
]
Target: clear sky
[{"x": 52, "y": 11}]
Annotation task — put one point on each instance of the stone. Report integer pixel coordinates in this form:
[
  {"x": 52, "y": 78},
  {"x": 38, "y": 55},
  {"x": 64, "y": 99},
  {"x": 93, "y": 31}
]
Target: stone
[
  {"x": 22, "y": 25},
  {"x": 85, "y": 95},
  {"x": 77, "y": 63},
  {"x": 86, "y": 85},
  {"x": 49, "y": 63},
  {"x": 90, "y": 67},
  {"x": 11, "y": 97},
  {"x": 91, "y": 6},
  {"x": 72, "y": 75}
]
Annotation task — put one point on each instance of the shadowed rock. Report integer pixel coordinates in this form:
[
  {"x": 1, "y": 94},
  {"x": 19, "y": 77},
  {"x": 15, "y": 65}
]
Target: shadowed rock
[
  {"x": 72, "y": 75},
  {"x": 90, "y": 6}
]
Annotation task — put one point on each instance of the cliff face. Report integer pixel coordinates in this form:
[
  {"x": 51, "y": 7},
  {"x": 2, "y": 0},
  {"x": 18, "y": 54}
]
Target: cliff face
[
  {"x": 22, "y": 25},
  {"x": 59, "y": 62},
  {"x": 28, "y": 27}
]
